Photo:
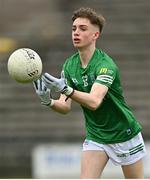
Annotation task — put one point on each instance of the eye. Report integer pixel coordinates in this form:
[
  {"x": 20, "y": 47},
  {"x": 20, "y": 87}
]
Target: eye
[
  {"x": 83, "y": 28},
  {"x": 74, "y": 28}
]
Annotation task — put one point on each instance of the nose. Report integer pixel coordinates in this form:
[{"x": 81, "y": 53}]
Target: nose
[{"x": 76, "y": 32}]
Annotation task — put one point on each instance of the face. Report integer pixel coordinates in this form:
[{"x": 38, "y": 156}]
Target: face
[{"x": 84, "y": 33}]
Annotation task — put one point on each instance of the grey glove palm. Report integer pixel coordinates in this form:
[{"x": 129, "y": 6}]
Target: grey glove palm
[
  {"x": 59, "y": 85},
  {"x": 43, "y": 92}
]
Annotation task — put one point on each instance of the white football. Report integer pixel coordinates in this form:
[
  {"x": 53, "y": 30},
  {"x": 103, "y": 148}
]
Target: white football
[{"x": 24, "y": 65}]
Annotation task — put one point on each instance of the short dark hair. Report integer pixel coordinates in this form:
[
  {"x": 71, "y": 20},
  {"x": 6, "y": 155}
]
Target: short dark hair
[{"x": 91, "y": 15}]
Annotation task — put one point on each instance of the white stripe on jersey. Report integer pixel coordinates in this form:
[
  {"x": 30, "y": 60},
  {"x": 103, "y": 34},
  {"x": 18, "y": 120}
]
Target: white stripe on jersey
[{"x": 105, "y": 78}]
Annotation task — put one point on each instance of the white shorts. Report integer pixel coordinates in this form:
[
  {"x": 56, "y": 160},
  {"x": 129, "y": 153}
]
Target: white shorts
[{"x": 124, "y": 153}]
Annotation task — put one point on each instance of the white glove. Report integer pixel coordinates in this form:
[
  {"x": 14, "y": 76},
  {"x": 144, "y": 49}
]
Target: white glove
[
  {"x": 43, "y": 92},
  {"x": 59, "y": 85}
]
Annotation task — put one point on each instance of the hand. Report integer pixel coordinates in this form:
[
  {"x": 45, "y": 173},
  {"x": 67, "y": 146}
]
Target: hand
[
  {"x": 43, "y": 92},
  {"x": 59, "y": 85}
]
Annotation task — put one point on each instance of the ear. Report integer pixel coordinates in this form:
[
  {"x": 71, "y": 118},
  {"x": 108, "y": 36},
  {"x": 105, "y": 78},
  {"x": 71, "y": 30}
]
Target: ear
[{"x": 96, "y": 35}]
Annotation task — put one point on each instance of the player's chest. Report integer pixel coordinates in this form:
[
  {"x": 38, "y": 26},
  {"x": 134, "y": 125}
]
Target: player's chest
[{"x": 83, "y": 80}]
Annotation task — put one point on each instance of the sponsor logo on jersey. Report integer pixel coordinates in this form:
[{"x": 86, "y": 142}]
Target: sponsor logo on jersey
[
  {"x": 103, "y": 70},
  {"x": 110, "y": 71}
]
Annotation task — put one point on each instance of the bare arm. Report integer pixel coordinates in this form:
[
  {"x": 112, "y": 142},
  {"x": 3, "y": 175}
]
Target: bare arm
[
  {"x": 90, "y": 100},
  {"x": 61, "y": 105},
  {"x": 93, "y": 99}
]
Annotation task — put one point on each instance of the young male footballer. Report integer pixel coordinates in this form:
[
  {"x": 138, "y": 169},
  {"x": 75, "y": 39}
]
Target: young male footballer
[{"x": 91, "y": 78}]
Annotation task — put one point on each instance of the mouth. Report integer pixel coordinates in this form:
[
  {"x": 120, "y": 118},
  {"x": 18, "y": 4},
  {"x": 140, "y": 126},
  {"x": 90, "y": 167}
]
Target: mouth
[{"x": 76, "y": 40}]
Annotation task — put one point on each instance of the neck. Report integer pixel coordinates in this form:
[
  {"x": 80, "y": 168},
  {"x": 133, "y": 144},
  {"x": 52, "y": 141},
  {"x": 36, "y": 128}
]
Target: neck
[{"x": 86, "y": 54}]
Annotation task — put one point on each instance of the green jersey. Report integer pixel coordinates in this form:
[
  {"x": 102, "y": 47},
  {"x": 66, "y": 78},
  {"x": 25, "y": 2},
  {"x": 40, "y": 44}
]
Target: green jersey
[{"x": 112, "y": 121}]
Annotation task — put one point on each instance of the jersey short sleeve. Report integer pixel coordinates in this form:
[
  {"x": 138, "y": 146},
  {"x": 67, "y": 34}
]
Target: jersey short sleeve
[
  {"x": 106, "y": 74},
  {"x": 66, "y": 73}
]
